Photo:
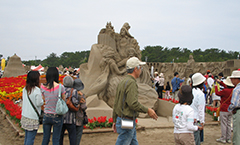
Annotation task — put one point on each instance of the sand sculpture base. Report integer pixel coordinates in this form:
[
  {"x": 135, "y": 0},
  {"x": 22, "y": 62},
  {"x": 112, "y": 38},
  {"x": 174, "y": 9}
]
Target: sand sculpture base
[{"x": 97, "y": 108}]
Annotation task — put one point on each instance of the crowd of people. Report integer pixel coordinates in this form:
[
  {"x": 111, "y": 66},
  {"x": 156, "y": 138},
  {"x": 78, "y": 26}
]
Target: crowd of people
[
  {"x": 201, "y": 91},
  {"x": 210, "y": 90},
  {"x": 188, "y": 114},
  {"x": 36, "y": 95}
]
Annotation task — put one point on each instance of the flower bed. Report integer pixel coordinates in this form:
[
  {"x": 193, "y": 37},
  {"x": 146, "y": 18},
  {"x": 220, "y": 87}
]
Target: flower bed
[
  {"x": 212, "y": 111},
  {"x": 13, "y": 110},
  {"x": 171, "y": 100},
  {"x": 11, "y": 90},
  {"x": 209, "y": 110},
  {"x": 100, "y": 122}
]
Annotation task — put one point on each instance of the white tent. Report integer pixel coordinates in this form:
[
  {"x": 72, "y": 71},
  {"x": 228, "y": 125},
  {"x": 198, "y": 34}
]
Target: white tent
[{"x": 39, "y": 68}]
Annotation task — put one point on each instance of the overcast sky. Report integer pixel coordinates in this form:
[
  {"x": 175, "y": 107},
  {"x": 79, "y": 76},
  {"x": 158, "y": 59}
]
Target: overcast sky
[{"x": 35, "y": 29}]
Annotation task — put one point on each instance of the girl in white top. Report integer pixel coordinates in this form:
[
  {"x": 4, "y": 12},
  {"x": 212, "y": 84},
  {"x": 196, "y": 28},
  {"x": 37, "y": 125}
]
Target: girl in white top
[
  {"x": 29, "y": 120},
  {"x": 183, "y": 118}
]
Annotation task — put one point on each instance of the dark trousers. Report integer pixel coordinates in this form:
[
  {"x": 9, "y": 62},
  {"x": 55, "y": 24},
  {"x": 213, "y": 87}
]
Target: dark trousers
[
  {"x": 160, "y": 89},
  {"x": 71, "y": 128},
  {"x": 201, "y": 136}
]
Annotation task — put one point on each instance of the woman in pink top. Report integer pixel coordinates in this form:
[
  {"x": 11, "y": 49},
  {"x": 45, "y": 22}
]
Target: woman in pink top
[{"x": 50, "y": 92}]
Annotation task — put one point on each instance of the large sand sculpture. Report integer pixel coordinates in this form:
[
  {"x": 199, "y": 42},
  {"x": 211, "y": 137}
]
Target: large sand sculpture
[
  {"x": 106, "y": 66},
  {"x": 185, "y": 69},
  {"x": 14, "y": 67}
]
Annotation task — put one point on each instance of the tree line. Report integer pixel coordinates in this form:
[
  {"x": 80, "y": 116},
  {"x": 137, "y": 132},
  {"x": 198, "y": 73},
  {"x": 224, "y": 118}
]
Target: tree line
[
  {"x": 149, "y": 54},
  {"x": 67, "y": 59},
  {"x": 177, "y": 54}
]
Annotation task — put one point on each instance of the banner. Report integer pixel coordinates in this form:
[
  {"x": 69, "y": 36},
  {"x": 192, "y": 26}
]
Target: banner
[{"x": 3, "y": 64}]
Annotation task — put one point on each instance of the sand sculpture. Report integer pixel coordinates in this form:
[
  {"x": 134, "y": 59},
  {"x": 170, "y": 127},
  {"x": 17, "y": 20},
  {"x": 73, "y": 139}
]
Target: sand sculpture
[
  {"x": 185, "y": 69},
  {"x": 14, "y": 67},
  {"x": 106, "y": 66},
  {"x": 61, "y": 68}
]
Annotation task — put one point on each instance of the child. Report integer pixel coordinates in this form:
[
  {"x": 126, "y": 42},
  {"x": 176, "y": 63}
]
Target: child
[
  {"x": 78, "y": 85},
  {"x": 183, "y": 116},
  {"x": 167, "y": 91}
]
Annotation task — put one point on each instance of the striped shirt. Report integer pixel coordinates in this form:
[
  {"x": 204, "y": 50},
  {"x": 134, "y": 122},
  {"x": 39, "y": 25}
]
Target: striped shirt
[
  {"x": 51, "y": 98},
  {"x": 235, "y": 102}
]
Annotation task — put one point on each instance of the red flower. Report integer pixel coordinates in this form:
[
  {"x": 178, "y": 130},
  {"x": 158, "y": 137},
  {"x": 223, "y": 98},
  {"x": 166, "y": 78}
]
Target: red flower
[
  {"x": 110, "y": 120},
  {"x": 19, "y": 116},
  {"x": 102, "y": 119},
  {"x": 136, "y": 120},
  {"x": 90, "y": 120},
  {"x": 215, "y": 109}
]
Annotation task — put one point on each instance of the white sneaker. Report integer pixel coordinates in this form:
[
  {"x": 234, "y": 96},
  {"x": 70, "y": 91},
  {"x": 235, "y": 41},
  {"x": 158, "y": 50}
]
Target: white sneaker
[
  {"x": 229, "y": 141},
  {"x": 221, "y": 140}
]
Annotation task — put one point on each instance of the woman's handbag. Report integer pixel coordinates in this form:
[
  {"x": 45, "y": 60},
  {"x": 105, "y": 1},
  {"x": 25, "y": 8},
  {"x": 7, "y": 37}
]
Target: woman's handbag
[
  {"x": 40, "y": 116},
  {"x": 70, "y": 104},
  {"x": 61, "y": 106},
  {"x": 85, "y": 118}
]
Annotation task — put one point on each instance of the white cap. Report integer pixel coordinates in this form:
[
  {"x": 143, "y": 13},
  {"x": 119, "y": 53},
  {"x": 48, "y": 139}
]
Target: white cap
[
  {"x": 235, "y": 74},
  {"x": 134, "y": 62},
  {"x": 197, "y": 79}
]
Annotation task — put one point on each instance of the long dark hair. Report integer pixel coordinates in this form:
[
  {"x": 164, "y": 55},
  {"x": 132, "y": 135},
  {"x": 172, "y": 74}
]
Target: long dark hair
[
  {"x": 200, "y": 86},
  {"x": 51, "y": 76},
  {"x": 32, "y": 81}
]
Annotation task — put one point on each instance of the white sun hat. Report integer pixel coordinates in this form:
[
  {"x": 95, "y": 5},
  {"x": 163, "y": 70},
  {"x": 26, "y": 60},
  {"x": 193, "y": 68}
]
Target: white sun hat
[
  {"x": 228, "y": 82},
  {"x": 134, "y": 62},
  {"x": 197, "y": 79},
  {"x": 235, "y": 74},
  {"x": 161, "y": 75}
]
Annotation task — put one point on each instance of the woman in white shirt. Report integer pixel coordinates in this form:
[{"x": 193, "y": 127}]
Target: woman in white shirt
[
  {"x": 183, "y": 118},
  {"x": 198, "y": 103},
  {"x": 30, "y": 119}
]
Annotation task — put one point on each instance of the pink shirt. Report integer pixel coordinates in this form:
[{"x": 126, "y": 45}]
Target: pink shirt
[{"x": 51, "y": 98}]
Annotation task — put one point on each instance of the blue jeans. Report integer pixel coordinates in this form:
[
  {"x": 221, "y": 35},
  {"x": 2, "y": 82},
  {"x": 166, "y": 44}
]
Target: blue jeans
[
  {"x": 126, "y": 136},
  {"x": 29, "y": 137},
  {"x": 197, "y": 137},
  {"x": 50, "y": 120},
  {"x": 79, "y": 130},
  {"x": 71, "y": 128}
]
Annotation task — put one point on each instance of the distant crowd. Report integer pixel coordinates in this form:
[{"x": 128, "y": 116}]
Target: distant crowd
[{"x": 200, "y": 91}]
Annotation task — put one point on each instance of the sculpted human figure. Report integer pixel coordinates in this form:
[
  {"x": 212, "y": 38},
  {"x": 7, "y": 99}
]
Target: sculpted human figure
[
  {"x": 112, "y": 60},
  {"x": 125, "y": 41},
  {"x": 106, "y": 67},
  {"x": 190, "y": 66}
]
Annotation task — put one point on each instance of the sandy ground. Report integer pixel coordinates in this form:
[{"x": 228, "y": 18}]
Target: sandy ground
[{"x": 145, "y": 137}]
